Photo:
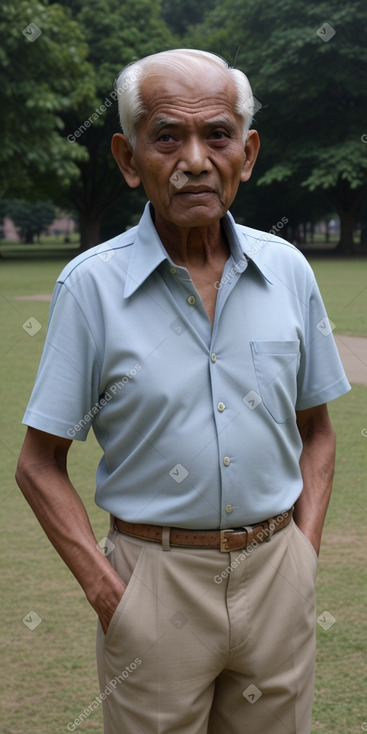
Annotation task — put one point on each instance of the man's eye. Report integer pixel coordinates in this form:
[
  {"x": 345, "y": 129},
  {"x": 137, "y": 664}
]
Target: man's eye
[
  {"x": 219, "y": 134},
  {"x": 166, "y": 138}
]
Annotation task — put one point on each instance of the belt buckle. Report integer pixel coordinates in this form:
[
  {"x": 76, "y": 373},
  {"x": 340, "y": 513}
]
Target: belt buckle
[{"x": 224, "y": 540}]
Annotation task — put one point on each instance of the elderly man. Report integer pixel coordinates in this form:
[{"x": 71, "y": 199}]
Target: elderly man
[{"x": 200, "y": 352}]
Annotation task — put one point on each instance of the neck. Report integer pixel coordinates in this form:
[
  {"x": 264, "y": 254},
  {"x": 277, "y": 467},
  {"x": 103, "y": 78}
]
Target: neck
[{"x": 192, "y": 246}]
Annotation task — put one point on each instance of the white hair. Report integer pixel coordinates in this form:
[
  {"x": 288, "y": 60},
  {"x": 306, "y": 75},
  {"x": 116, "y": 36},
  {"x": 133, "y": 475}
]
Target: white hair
[{"x": 127, "y": 84}]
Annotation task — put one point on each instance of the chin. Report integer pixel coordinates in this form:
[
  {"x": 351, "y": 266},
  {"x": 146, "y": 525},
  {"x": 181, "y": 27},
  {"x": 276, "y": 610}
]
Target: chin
[{"x": 196, "y": 217}]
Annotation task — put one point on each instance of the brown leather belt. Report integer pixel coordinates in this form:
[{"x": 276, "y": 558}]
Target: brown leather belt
[{"x": 224, "y": 540}]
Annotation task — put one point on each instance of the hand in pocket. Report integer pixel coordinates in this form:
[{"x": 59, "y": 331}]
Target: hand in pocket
[{"x": 109, "y": 604}]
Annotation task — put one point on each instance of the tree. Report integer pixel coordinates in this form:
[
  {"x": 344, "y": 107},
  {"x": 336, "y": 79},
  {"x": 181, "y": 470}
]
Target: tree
[
  {"x": 31, "y": 219},
  {"x": 305, "y": 61},
  {"x": 117, "y": 32},
  {"x": 179, "y": 15},
  {"x": 43, "y": 72}
]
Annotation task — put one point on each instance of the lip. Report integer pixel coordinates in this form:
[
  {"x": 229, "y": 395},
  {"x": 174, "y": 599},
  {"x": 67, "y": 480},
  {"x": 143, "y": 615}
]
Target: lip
[{"x": 196, "y": 190}]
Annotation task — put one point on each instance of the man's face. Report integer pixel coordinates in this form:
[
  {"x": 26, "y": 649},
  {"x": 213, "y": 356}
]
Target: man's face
[{"x": 189, "y": 152}]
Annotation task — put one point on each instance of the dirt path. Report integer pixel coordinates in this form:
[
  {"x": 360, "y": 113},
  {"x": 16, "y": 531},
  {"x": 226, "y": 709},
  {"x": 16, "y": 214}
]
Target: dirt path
[{"x": 353, "y": 354}]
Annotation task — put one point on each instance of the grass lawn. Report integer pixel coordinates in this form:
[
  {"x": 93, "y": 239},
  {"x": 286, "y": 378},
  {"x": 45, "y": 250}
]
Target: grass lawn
[
  {"x": 343, "y": 284},
  {"x": 48, "y": 675}
]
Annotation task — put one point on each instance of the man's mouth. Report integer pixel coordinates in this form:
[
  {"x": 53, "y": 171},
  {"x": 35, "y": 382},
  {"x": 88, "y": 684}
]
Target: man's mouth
[{"x": 196, "y": 190}]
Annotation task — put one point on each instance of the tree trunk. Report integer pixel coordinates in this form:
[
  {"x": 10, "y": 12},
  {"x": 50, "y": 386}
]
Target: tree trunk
[
  {"x": 363, "y": 240},
  {"x": 346, "y": 241},
  {"x": 348, "y": 202},
  {"x": 28, "y": 237},
  {"x": 89, "y": 228}
]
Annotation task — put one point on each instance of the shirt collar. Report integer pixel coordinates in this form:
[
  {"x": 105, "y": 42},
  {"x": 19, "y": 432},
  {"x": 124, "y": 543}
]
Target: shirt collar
[
  {"x": 242, "y": 247},
  {"x": 146, "y": 255},
  {"x": 148, "y": 251}
]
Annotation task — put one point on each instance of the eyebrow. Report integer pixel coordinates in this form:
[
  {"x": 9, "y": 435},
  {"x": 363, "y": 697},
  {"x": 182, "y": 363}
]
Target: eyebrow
[{"x": 160, "y": 123}]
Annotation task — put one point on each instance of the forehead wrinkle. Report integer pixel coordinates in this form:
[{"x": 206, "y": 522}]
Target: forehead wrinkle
[
  {"x": 171, "y": 94},
  {"x": 158, "y": 124},
  {"x": 157, "y": 117},
  {"x": 173, "y": 103}
]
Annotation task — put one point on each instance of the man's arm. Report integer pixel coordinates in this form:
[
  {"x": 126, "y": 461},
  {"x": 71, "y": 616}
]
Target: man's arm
[
  {"x": 317, "y": 464},
  {"x": 42, "y": 476}
]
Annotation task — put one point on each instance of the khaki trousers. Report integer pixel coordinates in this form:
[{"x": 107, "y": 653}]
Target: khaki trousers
[{"x": 205, "y": 642}]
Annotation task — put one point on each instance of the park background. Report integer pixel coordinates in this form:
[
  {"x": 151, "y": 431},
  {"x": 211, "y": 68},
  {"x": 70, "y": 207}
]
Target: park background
[{"x": 307, "y": 65}]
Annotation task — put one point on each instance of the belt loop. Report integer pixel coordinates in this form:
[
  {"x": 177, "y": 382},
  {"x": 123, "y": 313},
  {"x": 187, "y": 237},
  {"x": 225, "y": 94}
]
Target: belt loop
[
  {"x": 112, "y": 524},
  {"x": 165, "y": 538},
  {"x": 270, "y": 528}
]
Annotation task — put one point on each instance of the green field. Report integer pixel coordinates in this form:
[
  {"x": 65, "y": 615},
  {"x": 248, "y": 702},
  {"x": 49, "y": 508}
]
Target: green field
[{"x": 48, "y": 675}]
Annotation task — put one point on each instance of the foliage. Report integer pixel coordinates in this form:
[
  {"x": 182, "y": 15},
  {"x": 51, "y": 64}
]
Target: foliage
[
  {"x": 31, "y": 219},
  {"x": 117, "y": 32},
  {"x": 40, "y": 78},
  {"x": 180, "y": 16},
  {"x": 314, "y": 111},
  {"x": 312, "y": 122}
]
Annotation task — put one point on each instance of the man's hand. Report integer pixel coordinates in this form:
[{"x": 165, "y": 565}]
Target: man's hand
[
  {"x": 317, "y": 466},
  {"x": 43, "y": 478},
  {"x": 107, "y": 602}
]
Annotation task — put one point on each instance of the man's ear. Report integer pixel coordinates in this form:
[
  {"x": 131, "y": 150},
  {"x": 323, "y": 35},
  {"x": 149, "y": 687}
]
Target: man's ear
[
  {"x": 252, "y": 146},
  {"x": 124, "y": 157}
]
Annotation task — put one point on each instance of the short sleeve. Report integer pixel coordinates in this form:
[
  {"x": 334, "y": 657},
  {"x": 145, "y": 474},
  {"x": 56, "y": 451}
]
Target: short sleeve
[
  {"x": 321, "y": 376},
  {"x": 66, "y": 386}
]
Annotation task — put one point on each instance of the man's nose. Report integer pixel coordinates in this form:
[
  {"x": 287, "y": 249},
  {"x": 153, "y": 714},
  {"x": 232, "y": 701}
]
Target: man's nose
[{"x": 195, "y": 158}]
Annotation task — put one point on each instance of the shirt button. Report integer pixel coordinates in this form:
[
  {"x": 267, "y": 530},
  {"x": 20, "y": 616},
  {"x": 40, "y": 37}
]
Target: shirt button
[
  {"x": 213, "y": 357},
  {"x": 191, "y": 300},
  {"x": 221, "y": 407},
  {"x": 229, "y": 509},
  {"x": 226, "y": 461},
  {"x": 173, "y": 270}
]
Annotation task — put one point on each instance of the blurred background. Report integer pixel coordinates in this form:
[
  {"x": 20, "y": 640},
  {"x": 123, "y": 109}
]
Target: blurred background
[{"x": 60, "y": 188}]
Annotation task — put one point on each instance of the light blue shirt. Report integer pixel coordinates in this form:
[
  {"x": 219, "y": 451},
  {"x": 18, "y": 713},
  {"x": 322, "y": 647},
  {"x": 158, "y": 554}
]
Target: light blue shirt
[{"x": 197, "y": 424}]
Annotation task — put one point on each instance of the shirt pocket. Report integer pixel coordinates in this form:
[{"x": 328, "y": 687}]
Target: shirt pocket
[{"x": 276, "y": 365}]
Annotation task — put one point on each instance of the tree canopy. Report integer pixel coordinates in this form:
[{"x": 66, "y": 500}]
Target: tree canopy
[
  {"x": 116, "y": 32},
  {"x": 43, "y": 72},
  {"x": 306, "y": 62},
  {"x": 30, "y": 218}
]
